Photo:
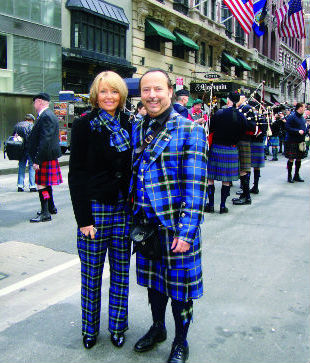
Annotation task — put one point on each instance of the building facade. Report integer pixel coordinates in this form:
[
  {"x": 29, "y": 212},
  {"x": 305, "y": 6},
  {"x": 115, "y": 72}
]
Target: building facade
[{"x": 30, "y": 56}]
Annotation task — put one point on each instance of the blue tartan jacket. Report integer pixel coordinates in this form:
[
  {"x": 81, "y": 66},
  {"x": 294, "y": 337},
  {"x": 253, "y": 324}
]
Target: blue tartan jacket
[{"x": 175, "y": 177}]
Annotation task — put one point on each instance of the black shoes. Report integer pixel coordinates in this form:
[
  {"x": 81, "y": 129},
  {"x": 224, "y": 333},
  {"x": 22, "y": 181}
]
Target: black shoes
[
  {"x": 289, "y": 179},
  {"x": 254, "y": 190},
  {"x": 52, "y": 211},
  {"x": 156, "y": 334},
  {"x": 88, "y": 341},
  {"x": 19, "y": 189},
  {"x": 41, "y": 218},
  {"x": 118, "y": 339},
  {"x": 241, "y": 201},
  {"x": 297, "y": 178},
  {"x": 209, "y": 208},
  {"x": 179, "y": 353},
  {"x": 223, "y": 210},
  {"x": 33, "y": 190}
]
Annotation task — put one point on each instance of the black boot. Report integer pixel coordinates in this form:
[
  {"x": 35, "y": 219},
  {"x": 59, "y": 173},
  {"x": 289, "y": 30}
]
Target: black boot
[
  {"x": 255, "y": 189},
  {"x": 51, "y": 206},
  {"x": 209, "y": 208},
  {"x": 297, "y": 167},
  {"x": 245, "y": 198},
  {"x": 225, "y": 192},
  {"x": 289, "y": 171},
  {"x": 44, "y": 215}
]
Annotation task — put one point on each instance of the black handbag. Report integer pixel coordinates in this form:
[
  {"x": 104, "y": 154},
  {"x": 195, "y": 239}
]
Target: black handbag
[
  {"x": 14, "y": 147},
  {"x": 145, "y": 238}
]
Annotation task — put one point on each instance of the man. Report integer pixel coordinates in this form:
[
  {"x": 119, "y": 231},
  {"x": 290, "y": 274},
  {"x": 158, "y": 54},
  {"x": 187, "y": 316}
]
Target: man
[
  {"x": 141, "y": 111},
  {"x": 23, "y": 130},
  {"x": 244, "y": 148},
  {"x": 295, "y": 135},
  {"x": 168, "y": 190},
  {"x": 181, "y": 99},
  {"x": 196, "y": 114},
  {"x": 44, "y": 151}
]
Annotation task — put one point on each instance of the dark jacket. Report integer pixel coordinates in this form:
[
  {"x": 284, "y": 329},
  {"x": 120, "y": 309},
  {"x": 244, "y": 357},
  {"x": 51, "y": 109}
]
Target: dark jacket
[
  {"x": 44, "y": 138},
  {"x": 182, "y": 110},
  {"x": 251, "y": 122},
  {"x": 23, "y": 129},
  {"x": 276, "y": 127},
  {"x": 228, "y": 126},
  {"x": 96, "y": 169},
  {"x": 294, "y": 123}
]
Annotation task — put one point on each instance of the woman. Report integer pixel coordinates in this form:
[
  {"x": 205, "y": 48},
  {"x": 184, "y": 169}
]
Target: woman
[
  {"x": 99, "y": 174},
  {"x": 295, "y": 134},
  {"x": 226, "y": 127}
]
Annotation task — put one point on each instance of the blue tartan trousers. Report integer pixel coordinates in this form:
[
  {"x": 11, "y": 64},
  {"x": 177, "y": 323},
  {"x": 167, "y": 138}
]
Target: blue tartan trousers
[{"x": 113, "y": 224}]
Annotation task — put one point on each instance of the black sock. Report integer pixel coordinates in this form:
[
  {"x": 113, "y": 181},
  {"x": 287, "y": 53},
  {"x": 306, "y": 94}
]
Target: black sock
[
  {"x": 182, "y": 313},
  {"x": 158, "y": 303},
  {"x": 297, "y": 166},
  {"x": 289, "y": 168},
  {"x": 225, "y": 192},
  {"x": 256, "y": 177},
  {"x": 211, "y": 190}
]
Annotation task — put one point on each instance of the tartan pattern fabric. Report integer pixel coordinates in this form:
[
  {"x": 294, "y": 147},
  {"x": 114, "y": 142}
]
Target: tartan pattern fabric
[
  {"x": 112, "y": 223},
  {"x": 49, "y": 173},
  {"x": 257, "y": 154},
  {"x": 119, "y": 137},
  {"x": 291, "y": 151},
  {"x": 223, "y": 163},
  {"x": 181, "y": 279},
  {"x": 274, "y": 141},
  {"x": 175, "y": 175},
  {"x": 244, "y": 149}
]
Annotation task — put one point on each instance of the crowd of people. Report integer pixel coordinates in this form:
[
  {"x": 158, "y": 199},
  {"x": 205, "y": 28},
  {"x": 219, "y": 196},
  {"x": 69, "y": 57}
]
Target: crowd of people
[{"x": 147, "y": 180}]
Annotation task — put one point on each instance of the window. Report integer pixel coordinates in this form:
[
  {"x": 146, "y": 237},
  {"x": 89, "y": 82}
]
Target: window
[
  {"x": 239, "y": 34},
  {"x": 203, "y": 53},
  {"x": 92, "y": 33},
  {"x": 3, "y": 52},
  {"x": 152, "y": 42},
  {"x": 178, "y": 51},
  {"x": 226, "y": 14},
  {"x": 210, "y": 56},
  {"x": 205, "y": 8},
  {"x": 213, "y": 9},
  {"x": 181, "y": 6}
]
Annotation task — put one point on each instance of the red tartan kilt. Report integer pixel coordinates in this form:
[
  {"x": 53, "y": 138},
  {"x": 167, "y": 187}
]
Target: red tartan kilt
[{"x": 49, "y": 173}]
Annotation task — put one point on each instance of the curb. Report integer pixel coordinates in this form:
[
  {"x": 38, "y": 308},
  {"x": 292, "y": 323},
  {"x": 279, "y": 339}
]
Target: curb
[{"x": 14, "y": 170}]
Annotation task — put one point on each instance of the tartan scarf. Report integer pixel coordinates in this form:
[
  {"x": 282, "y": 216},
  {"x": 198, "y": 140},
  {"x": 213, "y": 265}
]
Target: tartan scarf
[{"x": 119, "y": 137}]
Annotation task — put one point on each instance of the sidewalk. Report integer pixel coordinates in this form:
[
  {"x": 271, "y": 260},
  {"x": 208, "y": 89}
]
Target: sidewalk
[{"x": 11, "y": 166}]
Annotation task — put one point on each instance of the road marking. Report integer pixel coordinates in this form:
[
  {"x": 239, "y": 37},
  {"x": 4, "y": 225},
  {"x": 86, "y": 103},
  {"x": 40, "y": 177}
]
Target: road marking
[{"x": 38, "y": 277}]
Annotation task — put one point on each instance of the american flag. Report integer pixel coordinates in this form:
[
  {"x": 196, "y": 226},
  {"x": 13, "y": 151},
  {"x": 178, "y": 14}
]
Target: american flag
[
  {"x": 302, "y": 69},
  {"x": 243, "y": 12},
  {"x": 291, "y": 22}
]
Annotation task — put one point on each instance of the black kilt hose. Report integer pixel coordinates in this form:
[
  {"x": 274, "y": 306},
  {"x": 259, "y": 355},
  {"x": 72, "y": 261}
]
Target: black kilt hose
[{"x": 291, "y": 151}]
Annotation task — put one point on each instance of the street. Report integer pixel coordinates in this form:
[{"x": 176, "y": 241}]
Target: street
[{"x": 255, "y": 308}]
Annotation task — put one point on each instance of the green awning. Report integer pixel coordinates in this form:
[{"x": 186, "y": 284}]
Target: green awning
[
  {"x": 155, "y": 29},
  {"x": 231, "y": 60},
  {"x": 185, "y": 41},
  {"x": 244, "y": 65}
]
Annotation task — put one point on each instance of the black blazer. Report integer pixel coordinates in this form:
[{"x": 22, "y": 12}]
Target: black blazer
[
  {"x": 96, "y": 169},
  {"x": 44, "y": 138}
]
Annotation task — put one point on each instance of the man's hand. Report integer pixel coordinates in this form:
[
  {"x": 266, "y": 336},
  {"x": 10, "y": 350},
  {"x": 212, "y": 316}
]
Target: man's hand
[
  {"x": 301, "y": 132},
  {"x": 36, "y": 166},
  {"x": 179, "y": 245},
  {"x": 88, "y": 231}
]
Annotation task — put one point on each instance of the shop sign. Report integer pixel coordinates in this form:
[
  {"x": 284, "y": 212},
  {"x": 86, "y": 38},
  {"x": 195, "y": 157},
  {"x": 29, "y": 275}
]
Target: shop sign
[
  {"x": 206, "y": 87},
  {"x": 212, "y": 75}
]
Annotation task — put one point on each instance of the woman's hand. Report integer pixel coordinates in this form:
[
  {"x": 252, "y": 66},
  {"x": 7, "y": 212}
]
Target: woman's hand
[
  {"x": 88, "y": 231},
  {"x": 178, "y": 245}
]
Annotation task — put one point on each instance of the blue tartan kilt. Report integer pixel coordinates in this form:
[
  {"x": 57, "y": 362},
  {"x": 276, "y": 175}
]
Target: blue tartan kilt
[
  {"x": 179, "y": 283},
  {"x": 274, "y": 141},
  {"x": 223, "y": 163},
  {"x": 257, "y": 154}
]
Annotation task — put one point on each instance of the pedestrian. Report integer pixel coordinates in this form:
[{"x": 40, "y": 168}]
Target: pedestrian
[
  {"x": 44, "y": 151},
  {"x": 282, "y": 131},
  {"x": 258, "y": 140},
  {"x": 181, "y": 100},
  {"x": 168, "y": 191},
  {"x": 23, "y": 129},
  {"x": 244, "y": 150},
  {"x": 196, "y": 113},
  {"x": 226, "y": 127},
  {"x": 294, "y": 146},
  {"x": 140, "y": 111},
  {"x": 99, "y": 175},
  {"x": 274, "y": 140}
]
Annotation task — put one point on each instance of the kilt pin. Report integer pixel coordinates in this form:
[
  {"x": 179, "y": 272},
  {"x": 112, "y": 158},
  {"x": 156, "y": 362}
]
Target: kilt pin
[
  {"x": 112, "y": 223},
  {"x": 174, "y": 179}
]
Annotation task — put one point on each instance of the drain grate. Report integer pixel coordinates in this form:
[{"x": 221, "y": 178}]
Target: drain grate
[{"x": 3, "y": 276}]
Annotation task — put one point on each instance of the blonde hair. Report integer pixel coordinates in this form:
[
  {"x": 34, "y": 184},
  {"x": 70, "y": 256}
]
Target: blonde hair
[{"x": 114, "y": 81}]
